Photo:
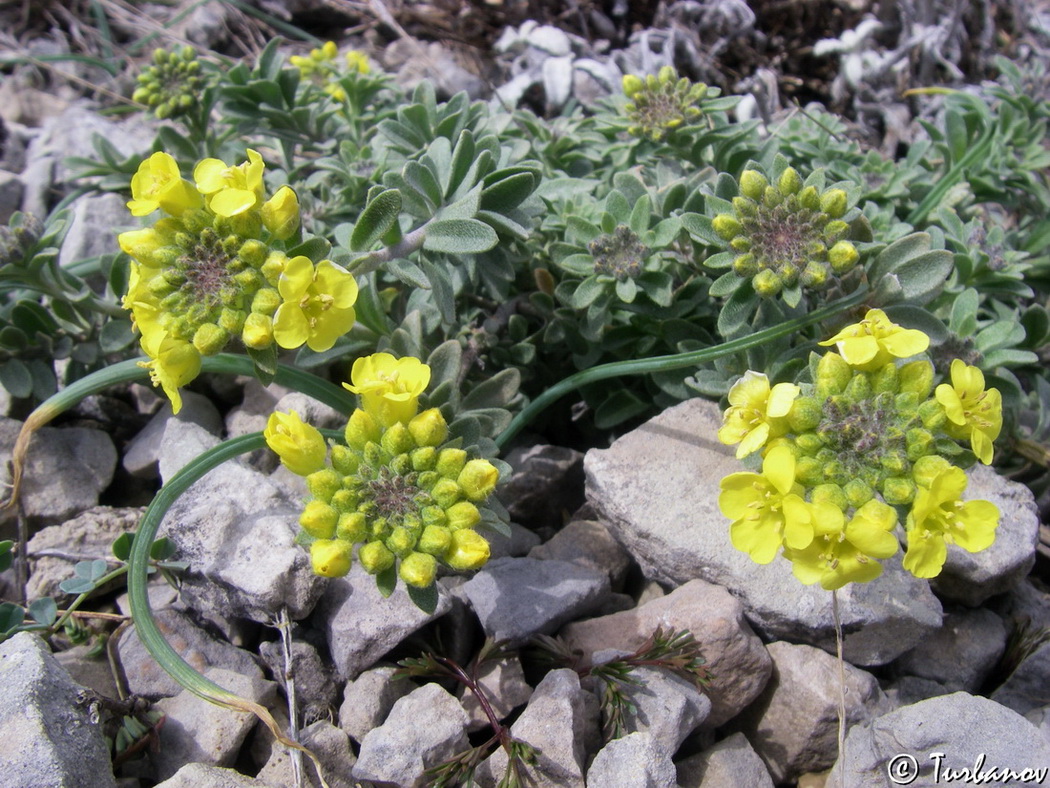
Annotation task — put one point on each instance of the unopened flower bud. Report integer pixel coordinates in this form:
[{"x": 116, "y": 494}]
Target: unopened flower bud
[
  {"x": 418, "y": 569},
  {"x": 468, "y": 550},
  {"x": 375, "y": 557},
  {"x": 280, "y": 214},
  {"x": 435, "y": 540},
  {"x": 767, "y": 284},
  {"x": 319, "y": 519},
  {"x": 789, "y": 182},
  {"x": 928, "y": 468},
  {"x": 323, "y": 484},
  {"x": 726, "y": 226},
  {"x": 463, "y": 515},
  {"x": 428, "y": 428},
  {"x": 898, "y": 491},
  {"x": 753, "y": 184},
  {"x": 833, "y": 202},
  {"x": 445, "y": 492},
  {"x": 397, "y": 439},
  {"x": 331, "y": 557},
  {"x": 830, "y": 493},
  {"x": 805, "y": 414},
  {"x": 209, "y": 339},
  {"x": 833, "y": 375},
  {"x": 423, "y": 458},
  {"x": 450, "y": 462},
  {"x": 401, "y": 541},
  {"x": 257, "y": 333},
  {"x": 857, "y": 492},
  {"x": 917, "y": 377},
  {"x": 361, "y": 429},
  {"x": 843, "y": 256},
  {"x": 478, "y": 478}
]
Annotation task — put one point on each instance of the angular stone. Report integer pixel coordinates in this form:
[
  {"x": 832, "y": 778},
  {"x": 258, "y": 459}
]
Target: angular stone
[
  {"x": 731, "y": 763},
  {"x": 519, "y": 543},
  {"x": 332, "y": 748},
  {"x": 55, "y": 550},
  {"x": 142, "y": 454},
  {"x": 47, "y": 732},
  {"x": 794, "y": 722},
  {"x": 505, "y": 688},
  {"x": 560, "y": 718},
  {"x": 516, "y": 598},
  {"x": 361, "y": 625},
  {"x": 587, "y": 543},
  {"x": 971, "y": 578},
  {"x": 66, "y": 469},
  {"x": 88, "y": 670},
  {"x": 368, "y": 699},
  {"x": 960, "y": 654},
  {"x": 90, "y": 233},
  {"x": 315, "y": 679},
  {"x": 424, "y": 728},
  {"x": 632, "y": 761},
  {"x": 664, "y": 510},
  {"x": 236, "y": 528},
  {"x": 545, "y": 486},
  {"x": 145, "y": 677},
  {"x": 738, "y": 662},
  {"x": 1026, "y": 688},
  {"x": 200, "y": 775},
  {"x": 963, "y": 727},
  {"x": 197, "y": 731},
  {"x": 312, "y": 411}
]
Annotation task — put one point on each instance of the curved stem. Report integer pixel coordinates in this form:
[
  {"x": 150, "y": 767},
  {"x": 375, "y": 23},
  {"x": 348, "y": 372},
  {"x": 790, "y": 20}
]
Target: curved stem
[{"x": 664, "y": 363}]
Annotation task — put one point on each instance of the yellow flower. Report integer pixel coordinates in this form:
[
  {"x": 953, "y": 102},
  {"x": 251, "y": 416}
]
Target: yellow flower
[
  {"x": 756, "y": 413},
  {"x": 972, "y": 411},
  {"x": 140, "y": 245},
  {"x": 357, "y": 61},
  {"x": 389, "y": 387},
  {"x": 299, "y": 445},
  {"x": 766, "y": 509},
  {"x": 231, "y": 190},
  {"x": 280, "y": 214},
  {"x": 173, "y": 363},
  {"x": 318, "y": 304},
  {"x": 875, "y": 341},
  {"x": 842, "y": 553},
  {"x": 938, "y": 517},
  {"x": 467, "y": 550},
  {"x": 159, "y": 184}
]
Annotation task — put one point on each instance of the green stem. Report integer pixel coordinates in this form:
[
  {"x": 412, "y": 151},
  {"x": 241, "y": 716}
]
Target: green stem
[
  {"x": 692, "y": 358},
  {"x": 76, "y": 603}
]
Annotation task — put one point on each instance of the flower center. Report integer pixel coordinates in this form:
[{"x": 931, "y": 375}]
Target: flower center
[
  {"x": 782, "y": 238},
  {"x": 393, "y": 495}
]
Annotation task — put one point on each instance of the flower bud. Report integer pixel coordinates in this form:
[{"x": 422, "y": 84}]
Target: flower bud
[
  {"x": 858, "y": 492},
  {"x": 445, "y": 492},
  {"x": 753, "y": 184},
  {"x": 478, "y": 478},
  {"x": 917, "y": 377},
  {"x": 745, "y": 265},
  {"x": 401, "y": 541},
  {"x": 463, "y": 515},
  {"x": 418, "y": 569},
  {"x": 435, "y": 540},
  {"x": 885, "y": 379},
  {"x": 834, "y": 202},
  {"x": 809, "y": 471},
  {"x": 397, "y": 439},
  {"x": 830, "y": 493},
  {"x": 767, "y": 284},
  {"x": 450, "y": 462},
  {"x": 428, "y": 428},
  {"x": 468, "y": 550},
  {"x": 805, "y": 414},
  {"x": 809, "y": 198},
  {"x": 726, "y": 226},
  {"x": 423, "y": 458},
  {"x": 344, "y": 459},
  {"x": 789, "y": 182},
  {"x": 257, "y": 333},
  {"x": 898, "y": 490},
  {"x": 319, "y": 520},
  {"x": 843, "y": 256},
  {"x": 632, "y": 85},
  {"x": 331, "y": 557},
  {"x": 300, "y": 446},
  {"x": 833, "y": 375},
  {"x": 928, "y": 468},
  {"x": 375, "y": 557},
  {"x": 280, "y": 214},
  {"x": 323, "y": 484},
  {"x": 932, "y": 415},
  {"x": 344, "y": 501},
  {"x": 361, "y": 429},
  {"x": 209, "y": 339},
  {"x": 433, "y": 516}
]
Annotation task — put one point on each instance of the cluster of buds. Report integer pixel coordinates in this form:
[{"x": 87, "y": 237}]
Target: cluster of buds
[
  {"x": 661, "y": 103},
  {"x": 787, "y": 234},
  {"x": 619, "y": 254},
  {"x": 22, "y": 234},
  {"x": 398, "y": 490},
  {"x": 213, "y": 269},
  {"x": 321, "y": 67},
  {"x": 868, "y": 445},
  {"x": 172, "y": 84}
]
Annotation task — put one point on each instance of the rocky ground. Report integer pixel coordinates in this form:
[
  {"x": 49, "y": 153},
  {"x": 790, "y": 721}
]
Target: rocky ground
[{"x": 606, "y": 547}]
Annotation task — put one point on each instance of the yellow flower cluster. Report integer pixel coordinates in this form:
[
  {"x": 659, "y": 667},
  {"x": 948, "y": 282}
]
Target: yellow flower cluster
[
  {"x": 214, "y": 269},
  {"x": 661, "y": 103},
  {"x": 321, "y": 66},
  {"x": 398, "y": 487},
  {"x": 860, "y": 450}
]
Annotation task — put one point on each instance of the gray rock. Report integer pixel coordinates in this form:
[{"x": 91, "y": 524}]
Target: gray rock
[
  {"x": 632, "y": 761},
  {"x": 89, "y": 670},
  {"x": 91, "y": 228},
  {"x": 961, "y": 653},
  {"x": 971, "y": 578},
  {"x": 66, "y": 470},
  {"x": 198, "y": 731},
  {"x": 963, "y": 727},
  {"x": 1040, "y": 718},
  {"x": 368, "y": 699},
  {"x": 516, "y": 598},
  {"x": 145, "y": 677},
  {"x": 545, "y": 486},
  {"x": 911, "y": 689},
  {"x": 505, "y": 688},
  {"x": 11, "y": 189},
  {"x": 55, "y": 550},
  {"x": 794, "y": 722},
  {"x": 560, "y": 718},
  {"x": 48, "y": 734},
  {"x": 731, "y": 763},
  {"x": 1028, "y": 601},
  {"x": 1028, "y": 687},
  {"x": 332, "y": 748},
  {"x": 251, "y": 416},
  {"x": 236, "y": 528},
  {"x": 142, "y": 454},
  {"x": 664, "y": 510},
  {"x": 361, "y": 625},
  {"x": 315, "y": 679},
  {"x": 664, "y": 705},
  {"x": 200, "y": 775},
  {"x": 519, "y": 543},
  {"x": 423, "y": 729},
  {"x": 587, "y": 543},
  {"x": 738, "y": 662},
  {"x": 312, "y": 411}
]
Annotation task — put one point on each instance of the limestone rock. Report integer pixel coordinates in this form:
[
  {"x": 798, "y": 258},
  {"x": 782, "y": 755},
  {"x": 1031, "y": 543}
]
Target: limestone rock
[
  {"x": 738, "y": 662},
  {"x": 200, "y": 775},
  {"x": 545, "y": 485},
  {"x": 504, "y": 685},
  {"x": 368, "y": 699},
  {"x": 142, "y": 454},
  {"x": 315, "y": 679},
  {"x": 664, "y": 510},
  {"x": 587, "y": 543},
  {"x": 48, "y": 734},
  {"x": 632, "y": 761},
  {"x": 1026, "y": 688},
  {"x": 329, "y": 744},
  {"x": 731, "y": 763},
  {"x": 961, "y": 653},
  {"x": 90, "y": 233}
]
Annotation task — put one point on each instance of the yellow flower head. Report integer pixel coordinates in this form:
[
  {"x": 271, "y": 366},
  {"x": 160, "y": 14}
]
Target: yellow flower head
[
  {"x": 231, "y": 190},
  {"x": 938, "y": 517},
  {"x": 317, "y": 304},
  {"x": 173, "y": 363},
  {"x": 280, "y": 214},
  {"x": 972, "y": 411},
  {"x": 766, "y": 508},
  {"x": 299, "y": 445},
  {"x": 756, "y": 412},
  {"x": 389, "y": 387},
  {"x": 357, "y": 61},
  {"x": 875, "y": 341},
  {"x": 159, "y": 184},
  {"x": 841, "y": 552}
]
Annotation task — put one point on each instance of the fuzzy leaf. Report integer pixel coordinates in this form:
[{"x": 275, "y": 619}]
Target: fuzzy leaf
[
  {"x": 459, "y": 236},
  {"x": 376, "y": 219}
]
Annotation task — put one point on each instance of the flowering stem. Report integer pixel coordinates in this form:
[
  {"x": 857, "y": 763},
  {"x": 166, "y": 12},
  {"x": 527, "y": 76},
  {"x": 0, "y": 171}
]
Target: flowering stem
[{"x": 692, "y": 358}]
